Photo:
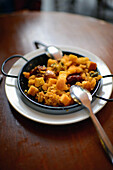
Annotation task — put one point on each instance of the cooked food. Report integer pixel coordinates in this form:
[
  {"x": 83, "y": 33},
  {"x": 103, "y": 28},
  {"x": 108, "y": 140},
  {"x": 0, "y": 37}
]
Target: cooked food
[{"x": 50, "y": 84}]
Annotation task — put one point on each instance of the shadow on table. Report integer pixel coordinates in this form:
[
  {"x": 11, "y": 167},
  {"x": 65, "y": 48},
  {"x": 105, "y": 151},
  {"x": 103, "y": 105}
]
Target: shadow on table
[{"x": 58, "y": 130}]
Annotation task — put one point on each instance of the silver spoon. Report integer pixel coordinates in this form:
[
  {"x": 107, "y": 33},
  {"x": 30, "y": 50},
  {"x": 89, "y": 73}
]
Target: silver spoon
[
  {"x": 51, "y": 51},
  {"x": 84, "y": 97}
]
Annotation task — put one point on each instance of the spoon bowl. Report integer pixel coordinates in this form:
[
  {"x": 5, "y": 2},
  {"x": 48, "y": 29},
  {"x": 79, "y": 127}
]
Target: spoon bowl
[
  {"x": 78, "y": 94},
  {"x": 82, "y": 96},
  {"x": 51, "y": 51}
]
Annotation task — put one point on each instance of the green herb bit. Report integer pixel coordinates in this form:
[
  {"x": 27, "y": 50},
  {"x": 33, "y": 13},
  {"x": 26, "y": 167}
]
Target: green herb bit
[
  {"x": 40, "y": 89},
  {"x": 52, "y": 65},
  {"x": 95, "y": 74},
  {"x": 62, "y": 63}
]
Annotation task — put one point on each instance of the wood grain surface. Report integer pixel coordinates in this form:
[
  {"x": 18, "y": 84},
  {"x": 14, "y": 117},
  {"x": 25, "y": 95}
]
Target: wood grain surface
[{"x": 25, "y": 144}]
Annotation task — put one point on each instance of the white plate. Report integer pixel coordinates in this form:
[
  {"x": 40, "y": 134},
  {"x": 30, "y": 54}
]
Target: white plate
[{"x": 15, "y": 100}]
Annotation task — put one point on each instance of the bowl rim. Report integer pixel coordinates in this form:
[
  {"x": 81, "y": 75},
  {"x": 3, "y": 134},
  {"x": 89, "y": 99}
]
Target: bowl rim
[{"x": 46, "y": 106}]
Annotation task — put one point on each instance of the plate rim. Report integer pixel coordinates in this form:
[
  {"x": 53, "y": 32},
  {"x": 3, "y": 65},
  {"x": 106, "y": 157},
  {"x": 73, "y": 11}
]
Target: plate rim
[{"x": 55, "y": 117}]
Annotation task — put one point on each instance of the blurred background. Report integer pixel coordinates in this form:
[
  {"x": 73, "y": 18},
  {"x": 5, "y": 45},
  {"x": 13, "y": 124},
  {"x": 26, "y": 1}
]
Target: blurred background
[{"x": 102, "y": 9}]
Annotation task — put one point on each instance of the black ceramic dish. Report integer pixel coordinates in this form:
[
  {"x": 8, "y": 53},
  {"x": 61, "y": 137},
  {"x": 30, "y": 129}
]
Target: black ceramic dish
[{"x": 23, "y": 84}]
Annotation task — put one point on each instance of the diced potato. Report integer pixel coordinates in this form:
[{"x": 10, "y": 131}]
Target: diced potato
[
  {"x": 51, "y": 81},
  {"x": 91, "y": 65},
  {"x": 45, "y": 86},
  {"x": 66, "y": 58},
  {"x": 51, "y": 61},
  {"x": 78, "y": 84},
  {"x": 31, "y": 81},
  {"x": 39, "y": 81},
  {"x": 63, "y": 74},
  {"x": 82, "y": 60},
  {"x": 26, "y": 74},
  {"x": 86, "y": 85},
  {"x": 72, "y": 69},
  {"x": 68, "y": 63},
  {"x": 61, "y": 83},
  {"x": 83, "y": 75},
  {"x": 79, "y": 70},
  {"x": 63, "y": 60},
  {"x": 32, "y": 77},
  {"x": 93, "y": 83},
  {"x": 32, "y": 90},
  {"x": 73, "y": 58},
  {"x": 40, "y": 96},
  {"x": 83, "y": 66},
  {"x": 65, "y": 100}
]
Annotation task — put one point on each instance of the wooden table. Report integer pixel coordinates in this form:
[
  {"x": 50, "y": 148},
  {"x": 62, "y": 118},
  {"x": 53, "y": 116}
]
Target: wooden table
[{"x": 25, "y": 144}]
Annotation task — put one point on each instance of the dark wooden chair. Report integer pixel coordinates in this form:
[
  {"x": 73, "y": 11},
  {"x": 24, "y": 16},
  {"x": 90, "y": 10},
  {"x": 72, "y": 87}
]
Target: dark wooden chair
[
  {"x": 27, "y": 4},
  {"x": 102, "y": 7},
  {"x": 9, "y": 6}
]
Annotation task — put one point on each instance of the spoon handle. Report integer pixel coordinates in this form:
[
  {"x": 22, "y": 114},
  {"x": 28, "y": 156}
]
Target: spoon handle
[
  {"x": 103, "y": 137},
  {"x": 37, "y": 43}
]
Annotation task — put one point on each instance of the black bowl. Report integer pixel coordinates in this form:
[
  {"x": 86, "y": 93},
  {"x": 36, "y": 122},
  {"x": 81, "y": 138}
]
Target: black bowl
[{"x": 31, "y": 102}]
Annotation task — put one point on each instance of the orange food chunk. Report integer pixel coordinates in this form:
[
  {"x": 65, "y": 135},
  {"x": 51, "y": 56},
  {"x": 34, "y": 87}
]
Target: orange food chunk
[
  {"x": 63, "y": 74},
  {"x": 86, "y": 85},
  {"x": 65, "y": 57},
  {"x": 40, "y": 96},
  {"x": 72, "y": 69},
  {"x": 61, "y": 84},
  {"x": 68, "y": 63},
  {"x": 45, "y": 86},
  {"x": 65, "y": 99},
  {"x": 26, "y": 74},
  {"x": 32, "y": 77},
  {"x": 82, "y": 60},
  {"x": 31, "y": 81},
  {"x": 51, "y": 81},
  {"x": 73, "y": 58},
  {"x": 91, "y": 65},
  {"x": 51, "y": 61},
  {"x": 39, "y": 81},
  {"x": 32, "y": 90},
  {"x": 93, "y": 83}
]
